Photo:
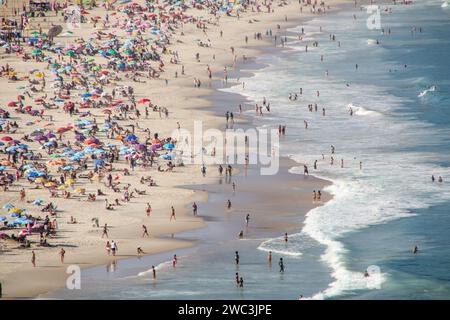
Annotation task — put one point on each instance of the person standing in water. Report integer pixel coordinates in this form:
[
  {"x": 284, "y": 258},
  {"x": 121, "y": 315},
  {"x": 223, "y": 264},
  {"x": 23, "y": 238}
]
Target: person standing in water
[
  {"x": 415, "y": 249},
  {"x": 269, "y": 258},
  {"x": 281, "y": 264},
  {"x": 236, "y": 257},
  {"x": 194, "y": 209},
  {"x": 174, "y": 260},
  {"x": 247, "y": 219},
  {"x": 286, "y": 237},
  {"x": 154, "y": 272}
]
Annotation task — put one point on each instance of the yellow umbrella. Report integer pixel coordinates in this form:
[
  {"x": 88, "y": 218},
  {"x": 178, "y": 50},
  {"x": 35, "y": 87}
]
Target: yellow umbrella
[
  {"x": 38, "y": 74},
  {"x": 49, "y": 184},
  {"x": 39, "y": 180},
  {"x": 15, "y": 210},
  {"x": 70, "y": 181},
  {"x": 61, "y": 187}
]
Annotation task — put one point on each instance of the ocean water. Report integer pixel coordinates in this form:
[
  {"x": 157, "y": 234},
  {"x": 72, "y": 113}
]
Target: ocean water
[
  {"x": 400, "y": 132},
  {"x": 400, "y": 94}
]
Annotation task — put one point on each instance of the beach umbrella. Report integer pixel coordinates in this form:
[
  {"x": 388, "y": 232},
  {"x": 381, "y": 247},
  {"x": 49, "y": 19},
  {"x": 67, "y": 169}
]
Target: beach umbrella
[
  {"x": 54, "y": 31},
  {"x": 39, "y": 180},
  {"x": 98, "y": 163},
  {"x": 130, "y": 137},
  {"x": 38, "y": 202},
  {"x": 8, "y": 206},
  {"x": 85, "y": 95},
  {"x": 143, "y": 100},
  {"x": 168, "y": 146},
  {"x": 6, "y": 138},
  {"x": 2, "y": 218},
  {"x": 35, "y": 52}
]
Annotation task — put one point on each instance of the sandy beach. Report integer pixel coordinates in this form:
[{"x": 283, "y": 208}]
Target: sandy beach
[{"x": 173, "y": 89}]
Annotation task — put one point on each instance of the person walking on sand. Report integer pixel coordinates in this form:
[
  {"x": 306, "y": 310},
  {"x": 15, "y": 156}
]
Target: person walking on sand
[
  {"x": 22, "y": 194},
  {"x": 148, "y": 210},
  {"x": 105, "y": 231},
  {"x": 172, "y": 216},
  {"x": 62, "y": 252},
  {"x": 33, "y": 258},
  {"x": 247, "y": 219},
  {"x": 234, "y": 186},
  {"x": 228, "y": 204},
  {"x": 144, "y": 231}
]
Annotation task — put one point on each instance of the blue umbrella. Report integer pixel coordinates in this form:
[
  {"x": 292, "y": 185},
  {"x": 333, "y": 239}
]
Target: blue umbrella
[
  {"x": 168, "y": 146},
  {"x": 130, "y": 137},
  {"x": 98, "y": 163},
  {"x": 67, "y": 168},
  {"x": 2, "y": 168},
  {"x": 38, "y": 202},
  {"x": 85, "y": 95},
  {"x": 12, "y": 149},
  {"x": 8, "y": 206},
  {"x": 2, "y": 218}
]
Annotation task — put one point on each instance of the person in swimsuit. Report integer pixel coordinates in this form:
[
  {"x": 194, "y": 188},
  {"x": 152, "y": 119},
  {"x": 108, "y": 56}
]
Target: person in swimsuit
[
  {"x": 174, "y": 260},
  {"x": 145, "y": 232},
  {"x": 281, "y": 264},
  {"x": 62, "y": 252}
]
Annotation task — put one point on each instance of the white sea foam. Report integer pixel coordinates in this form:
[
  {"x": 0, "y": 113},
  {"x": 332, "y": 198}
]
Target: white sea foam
[{"x": 425, "y": 92}]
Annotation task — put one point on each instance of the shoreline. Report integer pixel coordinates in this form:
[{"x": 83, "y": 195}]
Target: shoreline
[{"x": 175, "y": 244}]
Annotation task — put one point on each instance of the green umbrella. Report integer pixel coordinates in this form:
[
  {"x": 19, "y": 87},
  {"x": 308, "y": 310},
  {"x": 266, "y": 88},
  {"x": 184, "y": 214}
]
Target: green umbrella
[
  {"x": 36, "y": 52},
  {"x": 112, "y": 51},
  {"x": 70, "y": 52}
]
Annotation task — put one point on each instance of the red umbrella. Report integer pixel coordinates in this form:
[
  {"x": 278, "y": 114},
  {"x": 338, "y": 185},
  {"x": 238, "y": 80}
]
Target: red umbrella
[
  {"x": 144, "y": 100},
  {"x": 6, "y": 138},
  {"x": 12, "y": 104}
]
